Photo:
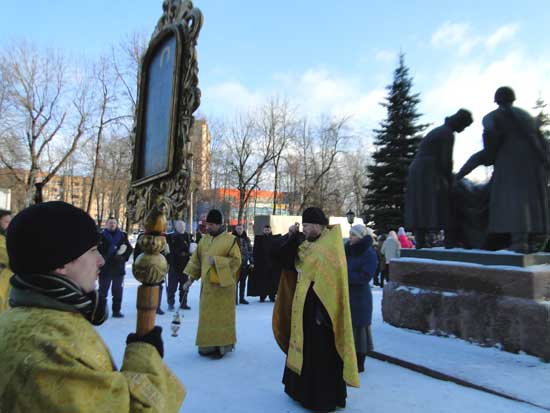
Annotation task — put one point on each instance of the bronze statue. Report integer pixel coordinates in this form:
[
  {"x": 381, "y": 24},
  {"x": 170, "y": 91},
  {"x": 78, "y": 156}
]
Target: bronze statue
[
  {"x": 518, "y": 191},
  {"x": 430, "y": 179}
]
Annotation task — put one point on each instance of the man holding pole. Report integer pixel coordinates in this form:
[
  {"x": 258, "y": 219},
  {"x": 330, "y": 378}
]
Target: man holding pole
[
  {"x": 52, "y": 358},
  {"x": 216, "y": 262}
]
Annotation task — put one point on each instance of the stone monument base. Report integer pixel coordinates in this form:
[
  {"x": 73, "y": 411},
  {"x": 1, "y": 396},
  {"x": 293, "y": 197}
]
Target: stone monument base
[{"x": 489, "y": 305}]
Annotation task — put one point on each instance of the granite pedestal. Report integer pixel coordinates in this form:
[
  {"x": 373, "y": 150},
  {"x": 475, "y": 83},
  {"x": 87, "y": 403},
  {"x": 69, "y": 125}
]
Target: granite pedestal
[{"x": 493, "y": 305}]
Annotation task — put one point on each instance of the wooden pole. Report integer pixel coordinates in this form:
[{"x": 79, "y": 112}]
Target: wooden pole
[
  {"x": 147, "y": 304},
  {"x": 149, "y": 268}
]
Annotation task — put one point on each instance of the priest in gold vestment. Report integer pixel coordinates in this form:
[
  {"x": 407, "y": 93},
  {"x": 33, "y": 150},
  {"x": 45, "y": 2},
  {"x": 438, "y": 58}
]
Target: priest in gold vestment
[
  {"x": 5, "y": 272},
  {"x": 216, "y": 262},
  {"x": 312, "y": 317}
]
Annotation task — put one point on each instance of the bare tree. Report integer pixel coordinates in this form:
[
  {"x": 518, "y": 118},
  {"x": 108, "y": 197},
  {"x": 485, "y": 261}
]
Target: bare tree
[
  {"x": 114, "y": 178},
  {"x": 320, "y": 149},
  {"x": 40, "y": 108},
  {"x": 248, "y": 153},
  {"x": 126, "y": 57},
  {"x": 277, "y": 125},
  {"x": 220, "y": 170},
  {"x": 106, "y": 112},
  {"x": 354, "y": 167},
  {"x": 291, "y": 180}
]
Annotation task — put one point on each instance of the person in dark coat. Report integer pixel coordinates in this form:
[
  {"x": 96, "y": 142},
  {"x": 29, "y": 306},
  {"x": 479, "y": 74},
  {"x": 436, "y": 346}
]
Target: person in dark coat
[
  {"x": 115, "y": 249},
  {"x": 247, "y": 260},
  {"x": 519, "y": 199},
  {"x": 430, "y": 179},
  {"x": 264, "y": 279},
  {"x": 178, "y": 243},
  {"x": 362, "y": 263}
]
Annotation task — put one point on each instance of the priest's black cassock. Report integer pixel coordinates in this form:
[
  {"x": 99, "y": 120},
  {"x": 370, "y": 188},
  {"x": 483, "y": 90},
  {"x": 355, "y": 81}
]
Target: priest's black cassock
[
  {"x": 267, "y": 270},
  {"x": 320, "y": 386}
]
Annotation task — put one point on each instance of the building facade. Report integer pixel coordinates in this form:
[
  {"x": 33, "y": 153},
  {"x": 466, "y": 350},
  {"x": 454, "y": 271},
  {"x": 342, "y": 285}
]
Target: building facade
[{"x": 108, "y": 199}]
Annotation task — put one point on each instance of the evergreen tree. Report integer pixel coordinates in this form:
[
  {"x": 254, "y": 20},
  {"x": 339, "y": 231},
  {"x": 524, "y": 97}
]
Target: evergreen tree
[
  {"x": 396, "y": 143},
  {"x": 543, "y": 117}
]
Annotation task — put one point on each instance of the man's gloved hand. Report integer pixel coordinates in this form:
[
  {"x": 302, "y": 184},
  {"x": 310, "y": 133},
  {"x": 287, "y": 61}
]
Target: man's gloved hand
[{"x": 153, "y": 337}]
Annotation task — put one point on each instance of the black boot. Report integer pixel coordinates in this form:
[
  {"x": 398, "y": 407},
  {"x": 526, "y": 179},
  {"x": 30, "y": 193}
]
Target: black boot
[
  {"x": 361, "y": 362},
  {"x": 183, "y": 301},
  {"x": 159, "y": 310}
]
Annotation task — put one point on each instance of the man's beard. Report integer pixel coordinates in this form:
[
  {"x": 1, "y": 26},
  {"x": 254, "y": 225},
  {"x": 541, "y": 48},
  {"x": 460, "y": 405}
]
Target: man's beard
[
  {"x": 215, "y": 232},
  {"x": 312, "y": 238}
]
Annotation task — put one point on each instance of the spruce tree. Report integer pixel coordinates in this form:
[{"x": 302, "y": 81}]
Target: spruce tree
[
  {"x": 396, "y": 143},
  {"x": 543, "y": 117}
]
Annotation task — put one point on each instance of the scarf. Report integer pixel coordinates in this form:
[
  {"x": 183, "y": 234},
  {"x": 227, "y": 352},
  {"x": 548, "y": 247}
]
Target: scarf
[
  {"x": 114, "y": 239},
  {"x": 62, "y": 292}
]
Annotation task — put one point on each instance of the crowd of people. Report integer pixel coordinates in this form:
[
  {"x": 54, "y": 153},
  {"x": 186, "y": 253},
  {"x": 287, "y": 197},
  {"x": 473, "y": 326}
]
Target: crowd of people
[
  {"x": 54, "y": 360},
  {"x": 319, "y": 284}
]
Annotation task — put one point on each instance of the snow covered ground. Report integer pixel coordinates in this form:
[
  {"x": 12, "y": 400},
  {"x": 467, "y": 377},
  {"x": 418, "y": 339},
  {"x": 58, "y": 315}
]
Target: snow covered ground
[{"x": 249, "y": 379}]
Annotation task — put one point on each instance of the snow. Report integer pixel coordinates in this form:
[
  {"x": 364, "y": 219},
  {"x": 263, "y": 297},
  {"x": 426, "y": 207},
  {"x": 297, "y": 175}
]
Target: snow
[
  {"x": 530, "y": 268},
  {"x": 249, "y": 379}
]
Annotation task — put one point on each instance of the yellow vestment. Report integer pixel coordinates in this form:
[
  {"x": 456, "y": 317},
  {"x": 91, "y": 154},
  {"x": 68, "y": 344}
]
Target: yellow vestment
[
  {"x": 217, "y": 302},
  {"x": 323, "y": 264},
  {"x": 5, "y": 275}
]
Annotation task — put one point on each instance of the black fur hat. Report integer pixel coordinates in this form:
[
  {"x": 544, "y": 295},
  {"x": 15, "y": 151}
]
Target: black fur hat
[
  {"x": 214, "y": 217},
  {"x": 314, "y": 215}
]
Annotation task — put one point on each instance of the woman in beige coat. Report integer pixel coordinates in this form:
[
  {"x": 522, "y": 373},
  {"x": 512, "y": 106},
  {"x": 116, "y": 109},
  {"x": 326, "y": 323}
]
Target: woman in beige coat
[{"x": 390, "y": 249}]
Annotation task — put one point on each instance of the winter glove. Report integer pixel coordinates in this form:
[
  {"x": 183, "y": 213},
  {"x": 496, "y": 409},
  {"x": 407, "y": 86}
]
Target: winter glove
[
  {"x": 153, "y": 337},
  {"x": 122, "y": 249}
]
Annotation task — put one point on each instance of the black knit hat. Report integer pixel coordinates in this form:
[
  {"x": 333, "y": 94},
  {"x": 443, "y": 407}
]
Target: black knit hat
[
  {"x": 214, "y": 217},
  {"x": 313, "y": 215},
  {"x": 38, "y": 243}
]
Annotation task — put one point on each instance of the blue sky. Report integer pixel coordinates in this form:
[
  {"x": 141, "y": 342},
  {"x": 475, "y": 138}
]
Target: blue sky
[{"x": 327, "y": 56}]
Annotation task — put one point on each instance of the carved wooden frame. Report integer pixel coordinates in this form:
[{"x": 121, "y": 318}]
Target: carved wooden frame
[
  {"x": 169, "y": 188},
  {"x": 175, "y": 31}
]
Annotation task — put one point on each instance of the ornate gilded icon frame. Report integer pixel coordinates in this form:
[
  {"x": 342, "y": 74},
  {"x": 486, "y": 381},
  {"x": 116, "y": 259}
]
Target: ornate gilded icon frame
[
  {"x": 139, "y": 177},
  {"x": 169, "y": 188}
]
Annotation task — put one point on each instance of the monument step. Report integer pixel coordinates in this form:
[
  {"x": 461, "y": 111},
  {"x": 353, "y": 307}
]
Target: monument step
[{"x": 482, "y": 257}]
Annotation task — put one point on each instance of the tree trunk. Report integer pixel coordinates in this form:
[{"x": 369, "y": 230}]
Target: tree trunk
[{"x": 275, "y": 187}]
